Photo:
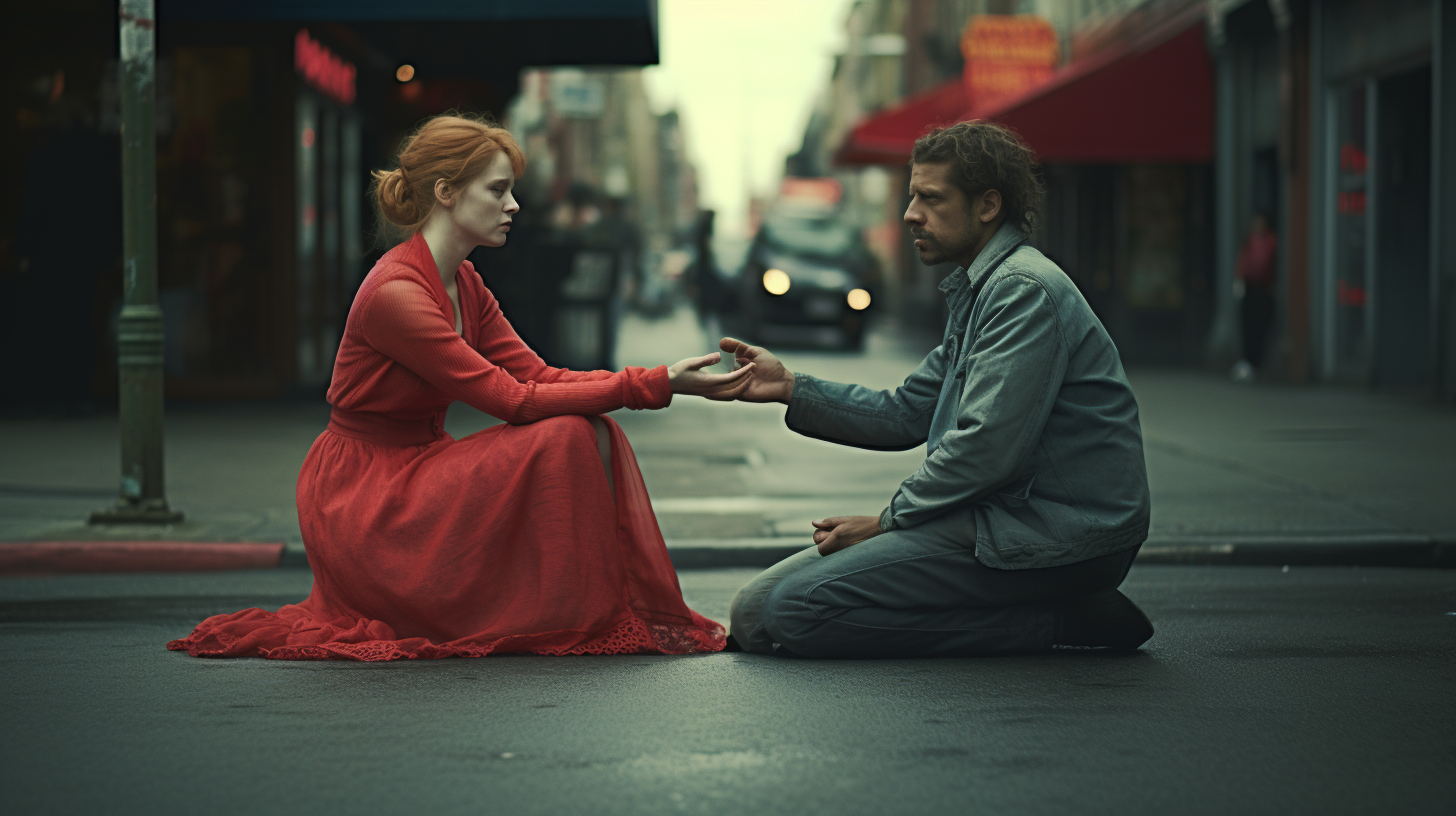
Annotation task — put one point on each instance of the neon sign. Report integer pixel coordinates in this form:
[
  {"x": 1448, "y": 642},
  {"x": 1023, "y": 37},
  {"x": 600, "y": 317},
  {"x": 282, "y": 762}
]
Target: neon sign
[
  {"x": 1007, "y": 54},
  {"x": 323, "y": 69}
]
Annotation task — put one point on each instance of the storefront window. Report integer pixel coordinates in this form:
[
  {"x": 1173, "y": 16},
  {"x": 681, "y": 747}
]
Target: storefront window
[
  {"x": 1156, "y": 200},
  {"x": 306, "y": 138},
  {"x": 1350, "y": 239},
  {"x": 211, "y": 272}
]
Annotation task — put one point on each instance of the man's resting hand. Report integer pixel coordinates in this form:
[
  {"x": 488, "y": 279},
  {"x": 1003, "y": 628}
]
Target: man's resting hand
[{"x": 834, "y": 534}]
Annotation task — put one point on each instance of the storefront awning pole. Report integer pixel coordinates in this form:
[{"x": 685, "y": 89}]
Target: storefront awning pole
[{"x": 139, "y": 339}]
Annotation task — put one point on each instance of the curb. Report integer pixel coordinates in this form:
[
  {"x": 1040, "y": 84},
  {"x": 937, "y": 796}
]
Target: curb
[
  {"x": 51, "y": 557},
  {"x": 46, "y": 557},
  {"x": 1399, "y": 550}
]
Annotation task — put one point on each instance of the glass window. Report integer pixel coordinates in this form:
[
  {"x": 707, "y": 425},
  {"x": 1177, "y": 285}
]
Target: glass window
[{"x": 1350, "y": 237}]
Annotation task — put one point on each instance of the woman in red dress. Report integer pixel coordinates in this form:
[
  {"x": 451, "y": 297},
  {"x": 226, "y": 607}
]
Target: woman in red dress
[{"x": 532, "y": 536}]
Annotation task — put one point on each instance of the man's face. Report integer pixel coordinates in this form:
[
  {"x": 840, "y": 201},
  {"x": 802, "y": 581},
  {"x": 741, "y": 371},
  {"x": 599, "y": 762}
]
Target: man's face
[{"x": 940, "y": 217}]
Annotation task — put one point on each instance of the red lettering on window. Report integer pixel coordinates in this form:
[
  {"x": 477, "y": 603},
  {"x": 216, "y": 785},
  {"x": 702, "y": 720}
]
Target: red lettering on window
[
  {"x": 1352, "y": 159},
  {"x": 323, "y": 69},
  {"x": 1349, "y": 295}
]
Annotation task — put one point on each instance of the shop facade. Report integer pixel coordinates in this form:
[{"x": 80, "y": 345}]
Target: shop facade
[
  {"x": 270, "y": 116},
  {"x": 1334, "y": 118}
]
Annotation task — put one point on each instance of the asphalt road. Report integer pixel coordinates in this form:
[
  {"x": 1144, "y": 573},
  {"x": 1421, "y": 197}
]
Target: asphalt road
[{"x": 1321, "y": 690}]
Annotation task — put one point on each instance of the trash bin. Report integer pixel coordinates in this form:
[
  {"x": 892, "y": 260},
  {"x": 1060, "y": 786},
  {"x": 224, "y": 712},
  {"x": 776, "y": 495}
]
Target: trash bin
[{"x": 584, "y": 320}]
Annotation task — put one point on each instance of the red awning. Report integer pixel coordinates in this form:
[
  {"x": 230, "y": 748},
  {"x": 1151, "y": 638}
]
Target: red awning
[
  {"x": 1148, "y": 100},
  {"x": 886, "y": 137}
]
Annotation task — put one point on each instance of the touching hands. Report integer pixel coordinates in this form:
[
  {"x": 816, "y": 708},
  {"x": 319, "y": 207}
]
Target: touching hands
[
  {"x": 686, "y": 377},
  {"x": 771, "y": 383},
  {"x": 834, "y": 534}
]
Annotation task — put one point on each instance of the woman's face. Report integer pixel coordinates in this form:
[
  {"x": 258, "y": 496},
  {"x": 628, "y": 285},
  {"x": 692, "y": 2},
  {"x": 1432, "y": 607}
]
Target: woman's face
[{"x": 483, "y": 209}]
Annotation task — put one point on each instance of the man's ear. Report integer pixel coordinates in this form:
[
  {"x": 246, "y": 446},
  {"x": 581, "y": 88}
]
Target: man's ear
[
  {"x": 443, "y": 194},
  {"x": 990, "y": 206}
]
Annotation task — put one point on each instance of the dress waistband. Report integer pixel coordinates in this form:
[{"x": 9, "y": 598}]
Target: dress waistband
[{"x": 383, "y": 429}]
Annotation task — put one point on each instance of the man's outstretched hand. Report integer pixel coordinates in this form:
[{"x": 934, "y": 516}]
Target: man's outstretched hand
[
  {"x": 771, "y": 382},
  {"x": 834, "y": 534}
]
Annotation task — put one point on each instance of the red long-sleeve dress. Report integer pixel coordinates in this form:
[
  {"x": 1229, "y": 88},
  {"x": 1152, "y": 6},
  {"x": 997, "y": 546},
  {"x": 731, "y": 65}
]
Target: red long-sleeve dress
[{"x": 509, "y": 540}]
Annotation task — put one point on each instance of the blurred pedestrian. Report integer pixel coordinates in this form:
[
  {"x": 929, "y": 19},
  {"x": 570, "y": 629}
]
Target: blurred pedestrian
[
  {"x": 1033, "y": 498},
  {"x": 1254, "y": 287},
  {"x": 532, "y": 536}
]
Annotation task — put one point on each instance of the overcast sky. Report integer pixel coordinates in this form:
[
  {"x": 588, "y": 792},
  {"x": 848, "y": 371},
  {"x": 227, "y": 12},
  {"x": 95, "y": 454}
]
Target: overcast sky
[{"x": 744, "y": 74}]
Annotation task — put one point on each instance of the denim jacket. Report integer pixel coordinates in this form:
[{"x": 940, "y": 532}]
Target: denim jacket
[{"x": 1025, "y": 412}]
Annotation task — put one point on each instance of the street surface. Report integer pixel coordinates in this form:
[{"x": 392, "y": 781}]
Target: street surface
[
  {"x": 1320, "y": 690},
  {"x": 1267, "y": 689}
]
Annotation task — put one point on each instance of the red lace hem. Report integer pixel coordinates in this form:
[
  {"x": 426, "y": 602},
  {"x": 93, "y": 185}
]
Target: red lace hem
[{"x": 631, "y": 636}]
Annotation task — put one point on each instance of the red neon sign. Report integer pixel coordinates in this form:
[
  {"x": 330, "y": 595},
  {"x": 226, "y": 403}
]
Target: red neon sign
[{"x": 323, "y": 69}]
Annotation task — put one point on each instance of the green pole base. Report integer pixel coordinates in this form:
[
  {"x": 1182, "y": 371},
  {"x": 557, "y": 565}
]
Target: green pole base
[{"x": 129, "y": 513}]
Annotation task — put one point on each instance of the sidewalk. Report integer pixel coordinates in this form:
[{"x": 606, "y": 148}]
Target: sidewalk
[{"x": 1239, "y": 474}]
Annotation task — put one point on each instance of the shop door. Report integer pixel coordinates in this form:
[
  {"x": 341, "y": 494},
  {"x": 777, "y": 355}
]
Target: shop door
[{"x": 1401, "y": 296}]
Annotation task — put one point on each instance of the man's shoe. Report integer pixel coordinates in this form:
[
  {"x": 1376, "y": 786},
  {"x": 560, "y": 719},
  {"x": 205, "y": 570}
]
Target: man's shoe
[{"x": 1105, "y": 619}]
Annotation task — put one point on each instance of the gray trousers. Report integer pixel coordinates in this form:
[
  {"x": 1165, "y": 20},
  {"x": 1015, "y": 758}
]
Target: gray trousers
[{"x": 918, "y": 592}]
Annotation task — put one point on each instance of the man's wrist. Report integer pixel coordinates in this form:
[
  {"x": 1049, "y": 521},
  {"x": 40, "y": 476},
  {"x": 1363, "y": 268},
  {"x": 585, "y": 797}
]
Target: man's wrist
[
  {"x": 789, "y": 388},
  {"x": 887, "y": 520}
]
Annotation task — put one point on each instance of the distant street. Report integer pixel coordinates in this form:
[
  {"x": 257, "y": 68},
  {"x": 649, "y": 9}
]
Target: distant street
[{"x": 1290, "y": 469}]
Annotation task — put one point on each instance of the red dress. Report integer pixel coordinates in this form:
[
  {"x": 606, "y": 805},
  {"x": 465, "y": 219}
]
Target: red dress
[{"x": 424, "y": 546}]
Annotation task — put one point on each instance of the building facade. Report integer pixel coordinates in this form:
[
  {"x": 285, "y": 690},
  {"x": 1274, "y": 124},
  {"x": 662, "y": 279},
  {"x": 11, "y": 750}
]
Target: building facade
[
  {"x": 270, "y": 117},
  {"x": 1170, "y": 123}
]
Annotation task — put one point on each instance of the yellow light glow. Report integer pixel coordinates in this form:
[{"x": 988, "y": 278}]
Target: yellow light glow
[
  {"x": 404, "y": 73},
  {"x": 859, "y": 299},
  {"x": 776, "y": 281}
]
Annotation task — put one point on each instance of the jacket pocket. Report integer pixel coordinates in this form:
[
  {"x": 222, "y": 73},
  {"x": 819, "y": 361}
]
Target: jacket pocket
[{"x": 1016, "y": 492}]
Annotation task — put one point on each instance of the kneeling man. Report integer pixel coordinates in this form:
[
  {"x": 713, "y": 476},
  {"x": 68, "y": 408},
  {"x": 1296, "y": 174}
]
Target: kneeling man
[{"x": 1033, "y": 498}]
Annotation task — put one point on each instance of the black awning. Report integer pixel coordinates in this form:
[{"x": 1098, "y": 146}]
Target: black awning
[{"x": 455, "y": 35}]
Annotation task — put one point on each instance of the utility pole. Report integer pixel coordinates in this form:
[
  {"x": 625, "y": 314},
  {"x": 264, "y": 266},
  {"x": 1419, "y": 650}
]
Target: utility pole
[{"x": 143, "y": 496}]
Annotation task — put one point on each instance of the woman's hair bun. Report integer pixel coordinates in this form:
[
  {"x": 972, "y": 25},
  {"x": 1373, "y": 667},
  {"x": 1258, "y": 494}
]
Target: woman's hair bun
[{"x": 397, "y": 201}]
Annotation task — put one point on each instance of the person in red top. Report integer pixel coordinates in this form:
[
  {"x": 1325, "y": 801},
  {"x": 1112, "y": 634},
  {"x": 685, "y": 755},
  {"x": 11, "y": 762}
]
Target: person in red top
[
  {"x": 531, "y": 536},
  {"x": 1254, "y": 285}
]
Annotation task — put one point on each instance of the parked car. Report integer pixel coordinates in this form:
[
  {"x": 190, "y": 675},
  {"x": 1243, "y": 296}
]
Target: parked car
[{"x": 807, "y": 280}]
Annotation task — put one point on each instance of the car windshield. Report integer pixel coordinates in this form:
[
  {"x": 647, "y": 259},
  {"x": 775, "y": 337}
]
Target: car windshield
[{"x": 824, "y": 237}]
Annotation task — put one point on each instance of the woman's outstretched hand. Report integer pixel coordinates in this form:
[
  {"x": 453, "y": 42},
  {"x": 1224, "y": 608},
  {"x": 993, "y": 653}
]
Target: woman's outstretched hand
[
  {"x": 686, "y": 377},
  {"x": 771, "y": 383}
]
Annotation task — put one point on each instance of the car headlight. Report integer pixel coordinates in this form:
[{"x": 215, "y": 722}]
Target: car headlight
[
  {"x": 776, "y": 281},
  {"x": 858, "y": 299}
]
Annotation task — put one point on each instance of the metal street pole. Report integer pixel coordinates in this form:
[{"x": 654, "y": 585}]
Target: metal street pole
[{"x": 143, "y": 496}]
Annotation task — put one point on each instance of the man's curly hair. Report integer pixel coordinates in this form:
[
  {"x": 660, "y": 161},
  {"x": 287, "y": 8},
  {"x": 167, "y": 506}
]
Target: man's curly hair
[{"x": 987, "y": 156}]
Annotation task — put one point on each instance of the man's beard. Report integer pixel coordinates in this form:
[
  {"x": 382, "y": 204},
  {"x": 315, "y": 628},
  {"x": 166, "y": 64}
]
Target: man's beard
[
  {"x": 935, "y": 252},
  {"x": 932, "y": 252}
]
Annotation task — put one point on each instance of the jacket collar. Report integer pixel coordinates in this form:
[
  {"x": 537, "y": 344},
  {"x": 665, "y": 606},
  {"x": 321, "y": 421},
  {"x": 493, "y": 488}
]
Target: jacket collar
[{"x": 960, "y": 285}]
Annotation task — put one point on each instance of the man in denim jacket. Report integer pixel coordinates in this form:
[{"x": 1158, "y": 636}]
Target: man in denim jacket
[{"x": 1033, "y": 497}]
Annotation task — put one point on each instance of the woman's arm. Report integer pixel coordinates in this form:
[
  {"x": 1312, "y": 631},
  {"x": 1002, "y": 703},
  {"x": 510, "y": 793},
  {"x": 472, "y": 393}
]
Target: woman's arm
[
  {"x": 401, "y": 320},
  {"x": 499, "y": 343}
]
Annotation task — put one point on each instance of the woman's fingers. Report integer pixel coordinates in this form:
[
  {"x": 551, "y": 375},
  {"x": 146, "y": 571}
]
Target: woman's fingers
[{"x": 730, "y": 377}]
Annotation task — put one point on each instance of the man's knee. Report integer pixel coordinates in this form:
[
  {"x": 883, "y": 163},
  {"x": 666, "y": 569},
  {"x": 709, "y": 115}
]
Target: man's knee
[{"x": 788, "y": 617}]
